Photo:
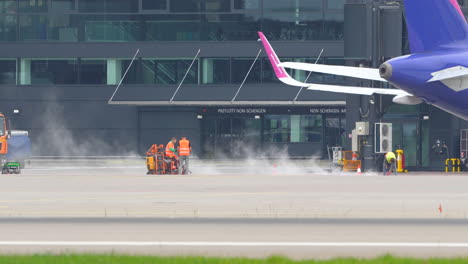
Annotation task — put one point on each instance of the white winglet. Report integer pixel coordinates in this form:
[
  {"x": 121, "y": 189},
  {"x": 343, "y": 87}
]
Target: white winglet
[{"x": 371, "y": 74}]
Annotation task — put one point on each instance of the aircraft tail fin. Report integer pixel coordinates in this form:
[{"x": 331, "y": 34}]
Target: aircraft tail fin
[{"x": 434, "y": 23}]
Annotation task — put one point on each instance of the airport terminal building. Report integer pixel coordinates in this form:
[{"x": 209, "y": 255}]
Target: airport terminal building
[{"x": 197, "y": 74}]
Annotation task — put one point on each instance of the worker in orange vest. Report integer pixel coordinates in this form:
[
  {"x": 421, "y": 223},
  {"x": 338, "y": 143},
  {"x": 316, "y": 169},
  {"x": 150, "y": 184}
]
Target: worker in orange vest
[
  {"x": 185, "y": 148},
  {"x": 171, "y": 153},
  {"x": 171, "y": 148}
]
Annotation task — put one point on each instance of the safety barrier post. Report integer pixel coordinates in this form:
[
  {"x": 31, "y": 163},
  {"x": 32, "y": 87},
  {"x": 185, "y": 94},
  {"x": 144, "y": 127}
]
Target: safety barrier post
[{"x": 447, "y": 165}]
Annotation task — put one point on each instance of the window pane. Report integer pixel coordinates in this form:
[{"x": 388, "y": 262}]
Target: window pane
[
  {"x": 185, "y": 6},
  {"x": 293, "y": 6},
  {"x": 92, "y": 6},
  {"x": 335, "y": 4},
  {"x": 148, "y": 71},
  {"x": 231, "y": 27},
  {"x": 63, "y": 5},
  {"x": 240, "y": 68},
  {"x": 192, "y": 75},
  {"x": 154, "y": 4},
  {"x": 218, "y": 5},
  {"x": 63, "y": 28},
  {"x": 111, "y": 28},
  {"x": 133, "y": 71},
  {"x": 33, "y": 6},
  {"x": 311, "y": 128},
  {"x": 169, "y": 71},
  {"x": 7, "y": 71},
  {"x": 215, "y": 71},
  {"x": 116, "y": 69},
  {"x": 7, "y": 28},
  {"x": 45, "y": 71},
  {"x": 33, "y": 27},
  {"x": 122, "y": 6},
  {"x": 292, "y": 26},
  {"x": 246, "y": 4},
  {"x": 93, "y": 71},
  {"x": 8, "y": 6},
  {"x": 277, "y": 128},
  {"x": 166, "y": 72},
  {"x": 172, "y": 27},
  {"x": 334, "y": 26}
]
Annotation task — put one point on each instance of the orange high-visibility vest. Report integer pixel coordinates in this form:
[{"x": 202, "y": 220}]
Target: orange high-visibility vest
[
  {"x": 169, "y": 152},
  {"x": 184, "y": 147}
]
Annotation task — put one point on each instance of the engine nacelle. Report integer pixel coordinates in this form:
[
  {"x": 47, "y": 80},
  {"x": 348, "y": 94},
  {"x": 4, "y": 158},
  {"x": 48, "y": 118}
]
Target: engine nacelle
[{"x": 406, "y": 100}]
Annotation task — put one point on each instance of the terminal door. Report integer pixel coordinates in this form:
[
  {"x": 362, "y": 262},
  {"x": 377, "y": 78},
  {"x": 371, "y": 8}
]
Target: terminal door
[
  {"x": 406, "y": 136},
  {"x": 231, "y": 137}
]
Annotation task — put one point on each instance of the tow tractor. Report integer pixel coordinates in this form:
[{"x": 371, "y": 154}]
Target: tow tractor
[
  {"x": 7, "y": 167},
  {"x": 15, "y": 148},
  {"x": 158, "y": 164}
]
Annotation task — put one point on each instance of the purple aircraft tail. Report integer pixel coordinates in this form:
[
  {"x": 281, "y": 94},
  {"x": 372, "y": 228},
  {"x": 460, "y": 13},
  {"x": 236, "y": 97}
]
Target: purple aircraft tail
[{"x": 433, "y": 24}]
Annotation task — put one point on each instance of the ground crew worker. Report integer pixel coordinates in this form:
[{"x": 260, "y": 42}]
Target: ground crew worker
[
  {"x": 185, "y": 148},
  {"x": 171, "y": 148},
  {"x": 389, "y": 163},
  {"x": 171, "y": 154}
]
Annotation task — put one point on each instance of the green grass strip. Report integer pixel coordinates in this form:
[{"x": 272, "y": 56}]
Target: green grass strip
[{"x": 120, "y": 259}]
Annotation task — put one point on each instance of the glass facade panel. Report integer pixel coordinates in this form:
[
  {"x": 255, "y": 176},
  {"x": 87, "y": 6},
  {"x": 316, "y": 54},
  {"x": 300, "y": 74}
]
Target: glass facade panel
[
  {"x": 218, "y": 5},
  {"x": 293, "y": 128},
  {"x": 231, "y": 27},
  {"x": 7, "y": 71},
  {"x": 154, "y": 4},
  {"x": 333, "y": 26},
  {"x": 216, "y": 70},
  {"x": 335, "y": 4},
  {"x": 293, "y": 26},
  {"x": 172, "y": 27},
  {"x": 63, "y": 28},
  {"x": 246, "y": 4},
  {"x": 292, "y": 6},
  {"x": 45, "y": 71},
  {"x": 8, "y": 7},
  {"x": 169, "y": 71},
  {"x": 132, "y": 76},
  {"x": 7, "y": 28},
  {"x": 122, "y": 6},
  {"x": 310, "y": 128},
  {"x": 240, "y": 68},
  {"x": 192, "y": 76},
  {"x": 183, "y": 6},
  {"x": 93, "y": 71},
  {"x": 33, "y": 6},
  {"x": 277, "y": 128},
  {"x": 63, "y": 5},
  {"x": 111, "y": 28},
  {"x": 33, "y": 27},
  {"x": 92, "y": 6}
]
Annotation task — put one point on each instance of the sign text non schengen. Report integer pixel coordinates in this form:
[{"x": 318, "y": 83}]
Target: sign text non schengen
[{"x": 327, "y": 110}]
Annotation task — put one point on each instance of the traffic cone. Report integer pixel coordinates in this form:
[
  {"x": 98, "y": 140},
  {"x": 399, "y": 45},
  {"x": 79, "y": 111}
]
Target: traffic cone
[{"x": 359, "y": 169}]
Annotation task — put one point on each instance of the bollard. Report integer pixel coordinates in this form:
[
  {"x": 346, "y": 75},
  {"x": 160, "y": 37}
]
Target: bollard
[{"x": 400, "y": 165}]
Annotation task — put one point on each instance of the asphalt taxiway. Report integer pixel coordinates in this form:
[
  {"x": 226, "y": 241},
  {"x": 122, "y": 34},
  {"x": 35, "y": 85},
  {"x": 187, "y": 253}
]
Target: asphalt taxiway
[{"x": 295, "y": 210}]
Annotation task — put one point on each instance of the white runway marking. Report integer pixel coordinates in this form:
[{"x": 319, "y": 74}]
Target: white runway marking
[{"x": 235, "y": 244}]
